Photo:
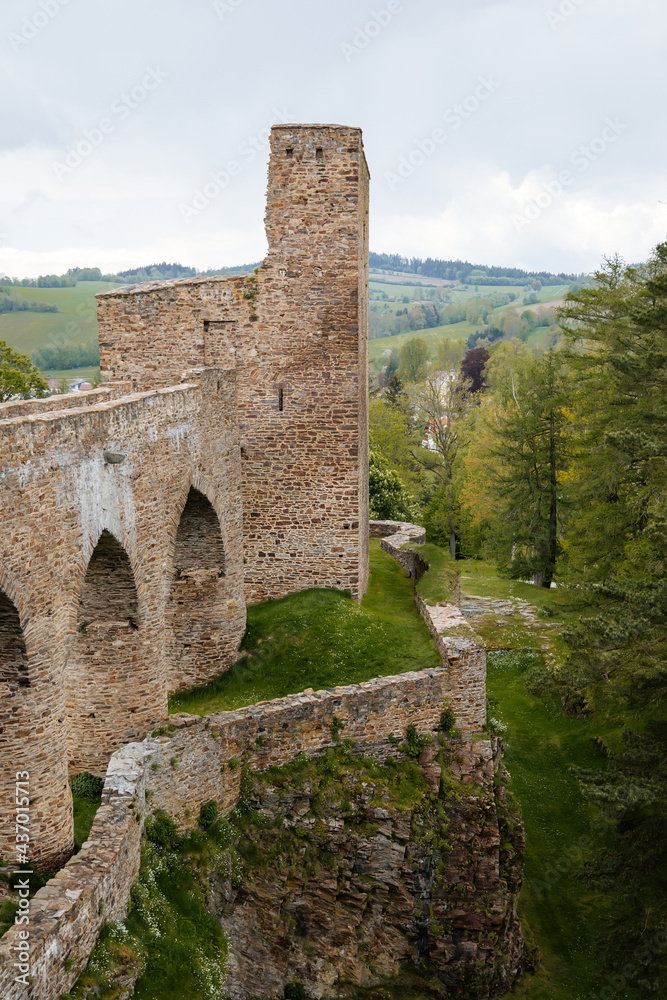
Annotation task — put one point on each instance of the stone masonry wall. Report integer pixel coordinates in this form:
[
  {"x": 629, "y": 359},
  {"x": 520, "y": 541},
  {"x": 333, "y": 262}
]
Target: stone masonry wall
[
  {"x": 67, "y": 915},
  {"x": 95, "y": 670},
  {"x": 197, "y": 759},
  {"x": 460, "y": 649},
  {"x": 296, "y": 333}
]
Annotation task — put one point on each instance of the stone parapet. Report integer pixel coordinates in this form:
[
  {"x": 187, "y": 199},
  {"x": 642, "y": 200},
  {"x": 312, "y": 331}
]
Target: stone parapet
[
  {"x": 461, "y": 650},
  {"x": 66, "y": 401}
]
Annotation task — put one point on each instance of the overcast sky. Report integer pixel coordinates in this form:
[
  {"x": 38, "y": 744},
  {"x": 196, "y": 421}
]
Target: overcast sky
[{"x": 525, "y": 133}]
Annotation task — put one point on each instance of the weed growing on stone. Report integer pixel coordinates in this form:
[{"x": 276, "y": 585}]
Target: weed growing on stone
[{"x": 169, "y": 941}]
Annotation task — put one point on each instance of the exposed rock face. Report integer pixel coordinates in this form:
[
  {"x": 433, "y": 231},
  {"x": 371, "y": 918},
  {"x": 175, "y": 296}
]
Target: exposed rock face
[{"x": 354, "y": 873}]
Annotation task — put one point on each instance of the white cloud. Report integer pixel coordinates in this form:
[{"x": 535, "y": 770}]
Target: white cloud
[{"x": 226, "y": 77}]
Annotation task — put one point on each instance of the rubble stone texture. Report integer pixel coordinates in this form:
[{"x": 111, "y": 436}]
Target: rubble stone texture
[{"x": 343, "y": 887}]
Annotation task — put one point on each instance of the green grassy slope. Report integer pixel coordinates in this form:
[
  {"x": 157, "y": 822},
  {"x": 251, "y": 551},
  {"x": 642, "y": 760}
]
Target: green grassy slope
[
  {"x": 321, "y": 639},
  {"x": 559, "y": 913}
]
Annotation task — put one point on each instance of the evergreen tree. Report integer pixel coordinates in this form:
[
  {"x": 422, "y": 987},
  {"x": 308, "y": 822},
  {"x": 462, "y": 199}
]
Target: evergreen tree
[
  {"x": 523, "y": 457},
  {"x": 616, "y": 550}
]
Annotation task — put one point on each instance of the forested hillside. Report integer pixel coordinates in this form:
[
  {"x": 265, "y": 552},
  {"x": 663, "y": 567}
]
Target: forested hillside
[{"x": 552, "y": 463}]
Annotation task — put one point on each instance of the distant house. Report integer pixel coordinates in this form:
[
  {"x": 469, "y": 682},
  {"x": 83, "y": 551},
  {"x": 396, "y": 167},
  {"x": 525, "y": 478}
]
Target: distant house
[{"x": 430, "y": 433}]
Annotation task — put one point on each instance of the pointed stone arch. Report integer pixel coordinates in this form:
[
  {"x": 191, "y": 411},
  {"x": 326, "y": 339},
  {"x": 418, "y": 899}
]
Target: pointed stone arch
[
  {"x": 109, "y": 593},
  {"x": 13, "y": 655},
  {"x": 32, "y": 731},
  {"x": 198, "y": 611},
  {"x": 110, "y": 676}
]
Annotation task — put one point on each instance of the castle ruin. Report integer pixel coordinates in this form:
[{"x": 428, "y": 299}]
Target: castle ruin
[{"x": 223, "y": 461}]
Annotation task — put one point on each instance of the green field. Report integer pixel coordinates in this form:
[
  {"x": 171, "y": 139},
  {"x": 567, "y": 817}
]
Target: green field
[
  {"x": 75, "y": 323},
  {"x": 561, "y": 916},
  {"x": 456, "y": 331},
  {"x": 432, "y": 337}
]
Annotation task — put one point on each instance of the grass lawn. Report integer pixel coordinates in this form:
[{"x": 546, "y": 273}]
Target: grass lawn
[
  {"x": 322, "y": 639},
  {"x": 84, "y": 814}
]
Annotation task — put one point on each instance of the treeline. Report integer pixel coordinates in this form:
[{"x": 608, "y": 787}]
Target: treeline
[
  {"x": 8, "y": 305},
  {"x": 169, "y": 272},
  {"x": 58, "y": 358},
  {"x": 465, "y": 272},
  {"x": 68, "y": 280},
  {"x": 152, "y": 272},
  {"x": 156, "y": 272}
]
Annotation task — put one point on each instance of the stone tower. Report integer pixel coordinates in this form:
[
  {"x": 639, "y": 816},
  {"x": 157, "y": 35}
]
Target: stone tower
[{"x": 296, "y": 333}]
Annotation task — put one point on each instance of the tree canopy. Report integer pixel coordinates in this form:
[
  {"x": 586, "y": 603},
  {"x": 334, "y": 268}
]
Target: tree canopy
[{"x": 18, "y": 375}]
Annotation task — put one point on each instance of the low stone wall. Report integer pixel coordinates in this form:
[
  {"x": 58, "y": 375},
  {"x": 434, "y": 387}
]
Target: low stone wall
[
  {"x": 461, "y": 650},
  {"x": 65, "y": 401},
  {"x": 394, "y": 535},
  {"x": 65, "y": 917}
]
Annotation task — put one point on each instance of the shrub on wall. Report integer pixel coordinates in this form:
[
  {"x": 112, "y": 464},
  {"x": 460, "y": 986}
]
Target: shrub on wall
[{"x": 388, "y": 497}]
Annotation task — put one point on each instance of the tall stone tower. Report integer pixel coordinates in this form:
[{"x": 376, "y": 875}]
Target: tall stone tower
[
  {"x": 303, "y": 385},
  {"x": 296, "y": 333}
]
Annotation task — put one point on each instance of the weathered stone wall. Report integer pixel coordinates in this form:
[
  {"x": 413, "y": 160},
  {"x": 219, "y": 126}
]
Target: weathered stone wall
[
  {"x": 195, "y": 760},
  {"x": 87, "y": 563},
  {"x": 66, "y": 401},
  {"x": 296, "y": 332},
  {"x": 200, "y": 759},
  {"x": 67, "y": 914}
]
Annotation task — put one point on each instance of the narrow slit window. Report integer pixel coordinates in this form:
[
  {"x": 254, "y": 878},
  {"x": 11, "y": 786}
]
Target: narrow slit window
[
  {"x": 319, "y": 153},
  {"x": 289, "y": 152},
  {"x": 281, "y": 399},
  {"x": 206, "y": 325}
]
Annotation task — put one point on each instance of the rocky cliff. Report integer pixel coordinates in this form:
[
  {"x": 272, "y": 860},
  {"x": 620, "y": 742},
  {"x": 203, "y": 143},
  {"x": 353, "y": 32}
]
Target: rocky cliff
[{"x": 347, "y": 873}]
